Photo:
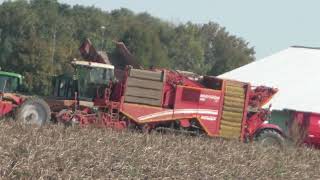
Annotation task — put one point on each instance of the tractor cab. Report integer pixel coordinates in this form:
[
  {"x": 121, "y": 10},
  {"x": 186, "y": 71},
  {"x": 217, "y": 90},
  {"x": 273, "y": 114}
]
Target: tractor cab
[
  {"x": 87, "y": 79},
  {"x": 10, "y": 82}
]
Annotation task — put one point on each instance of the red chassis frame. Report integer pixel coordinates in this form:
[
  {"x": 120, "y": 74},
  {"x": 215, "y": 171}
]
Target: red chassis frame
[{"x": 8, "y": 102}]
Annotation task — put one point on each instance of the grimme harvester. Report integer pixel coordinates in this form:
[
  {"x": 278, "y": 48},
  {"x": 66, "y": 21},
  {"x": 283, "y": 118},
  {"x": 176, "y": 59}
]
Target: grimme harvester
[
  {"x": 162, "y": 98},
  {"x": 27, "y": 109}
]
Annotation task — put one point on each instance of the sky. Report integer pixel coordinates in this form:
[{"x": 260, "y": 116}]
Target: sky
[{"x": 268, "y": 25}]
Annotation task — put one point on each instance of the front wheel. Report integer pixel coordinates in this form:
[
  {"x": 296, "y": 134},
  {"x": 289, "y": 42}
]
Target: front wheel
[
  {"x": 33, "y": 111},
  {"x": 270, "y": 138}
]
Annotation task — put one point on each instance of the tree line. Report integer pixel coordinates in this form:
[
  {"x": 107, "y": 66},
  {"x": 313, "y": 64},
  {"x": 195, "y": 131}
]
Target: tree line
[{"x": 39, "y": 38}]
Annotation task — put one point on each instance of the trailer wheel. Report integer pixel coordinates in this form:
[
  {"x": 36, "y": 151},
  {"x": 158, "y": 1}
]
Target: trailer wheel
[
  {"x": 33, "y": 111},
  {"x": 270, "y": 138}
]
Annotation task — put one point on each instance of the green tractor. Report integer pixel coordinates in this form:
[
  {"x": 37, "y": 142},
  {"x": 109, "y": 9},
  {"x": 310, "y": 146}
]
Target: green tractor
[{"x": 15, "y": 104}]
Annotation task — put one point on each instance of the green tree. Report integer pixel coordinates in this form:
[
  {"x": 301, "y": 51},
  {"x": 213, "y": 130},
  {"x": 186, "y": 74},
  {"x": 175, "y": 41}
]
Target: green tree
[
  {"x": 145, "y": 46},
  {"x": 39, "y": 38},
  {"x": 186, "y": 52},
  {"x": 224, "y": 52}
]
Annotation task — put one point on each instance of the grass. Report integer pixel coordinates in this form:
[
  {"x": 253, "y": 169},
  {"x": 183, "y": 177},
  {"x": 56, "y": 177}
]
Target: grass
[{"x": 55, "y": 152}]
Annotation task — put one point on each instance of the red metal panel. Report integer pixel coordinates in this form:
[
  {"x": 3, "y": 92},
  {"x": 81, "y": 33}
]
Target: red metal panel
[
  {"x": 143, "y": 113},
  {"x": 314, "y": 129},
  {"x": 205, "y": 106},
  {"x": 211, "y": 99},
  {"x": 5, "y": 108},
  {"x": 309, "y": 127}
]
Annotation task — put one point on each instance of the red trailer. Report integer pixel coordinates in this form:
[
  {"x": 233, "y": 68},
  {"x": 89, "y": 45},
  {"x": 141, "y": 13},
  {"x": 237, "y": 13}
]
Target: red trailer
[
  {"x": 161, "y": 98},
  {"x": 304, "y": 128}
]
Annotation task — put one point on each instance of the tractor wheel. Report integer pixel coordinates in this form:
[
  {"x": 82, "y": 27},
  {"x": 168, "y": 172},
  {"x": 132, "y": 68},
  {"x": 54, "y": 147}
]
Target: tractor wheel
[
  {"x": 270, "y": 138},
  {"x": 33, "y": 111}
]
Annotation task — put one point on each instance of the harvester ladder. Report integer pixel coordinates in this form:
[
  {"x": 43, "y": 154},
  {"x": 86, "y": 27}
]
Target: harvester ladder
[
  {"x": 233, "y": 106},
  {"x": 114, "y": 111}
]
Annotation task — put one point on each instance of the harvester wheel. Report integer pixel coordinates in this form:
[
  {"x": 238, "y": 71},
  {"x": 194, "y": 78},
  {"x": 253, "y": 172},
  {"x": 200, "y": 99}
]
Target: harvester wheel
[
  {"x": 33, "y": 111},
  {"x": 64, "y": 116},
  {"x": 270, "y": 138},
  {"x": 146, "y": 128}
]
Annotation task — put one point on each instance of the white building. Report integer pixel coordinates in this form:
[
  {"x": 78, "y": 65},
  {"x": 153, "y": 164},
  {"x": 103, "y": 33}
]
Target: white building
[{"x": 294, "y": 71}]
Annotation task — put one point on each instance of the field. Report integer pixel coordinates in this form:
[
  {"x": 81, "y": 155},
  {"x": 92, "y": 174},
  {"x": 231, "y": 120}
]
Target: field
[{"x": 55, "y": 152}]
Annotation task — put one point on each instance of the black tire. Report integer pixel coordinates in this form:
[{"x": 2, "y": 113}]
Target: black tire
[
  {"x": 270, "y": 138},
  {"x": 33, "y": 111}
]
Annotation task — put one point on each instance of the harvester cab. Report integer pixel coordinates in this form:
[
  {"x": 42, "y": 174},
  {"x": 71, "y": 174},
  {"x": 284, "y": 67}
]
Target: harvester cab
[
  {"x": 92, "y": 78},
  {"x": 88, "y": 80}
]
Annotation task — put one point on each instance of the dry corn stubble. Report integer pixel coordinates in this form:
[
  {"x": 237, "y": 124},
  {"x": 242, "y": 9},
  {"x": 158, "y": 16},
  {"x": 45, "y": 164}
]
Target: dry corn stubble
[{"x": 55, "y": 152}]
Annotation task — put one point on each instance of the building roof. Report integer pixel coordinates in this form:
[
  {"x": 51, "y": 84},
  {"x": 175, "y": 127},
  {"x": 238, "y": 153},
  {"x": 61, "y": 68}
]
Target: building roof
[{"x": 294, "y": 71}]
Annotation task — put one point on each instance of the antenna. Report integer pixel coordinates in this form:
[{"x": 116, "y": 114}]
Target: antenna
[{"x": 102, "y": 36}]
